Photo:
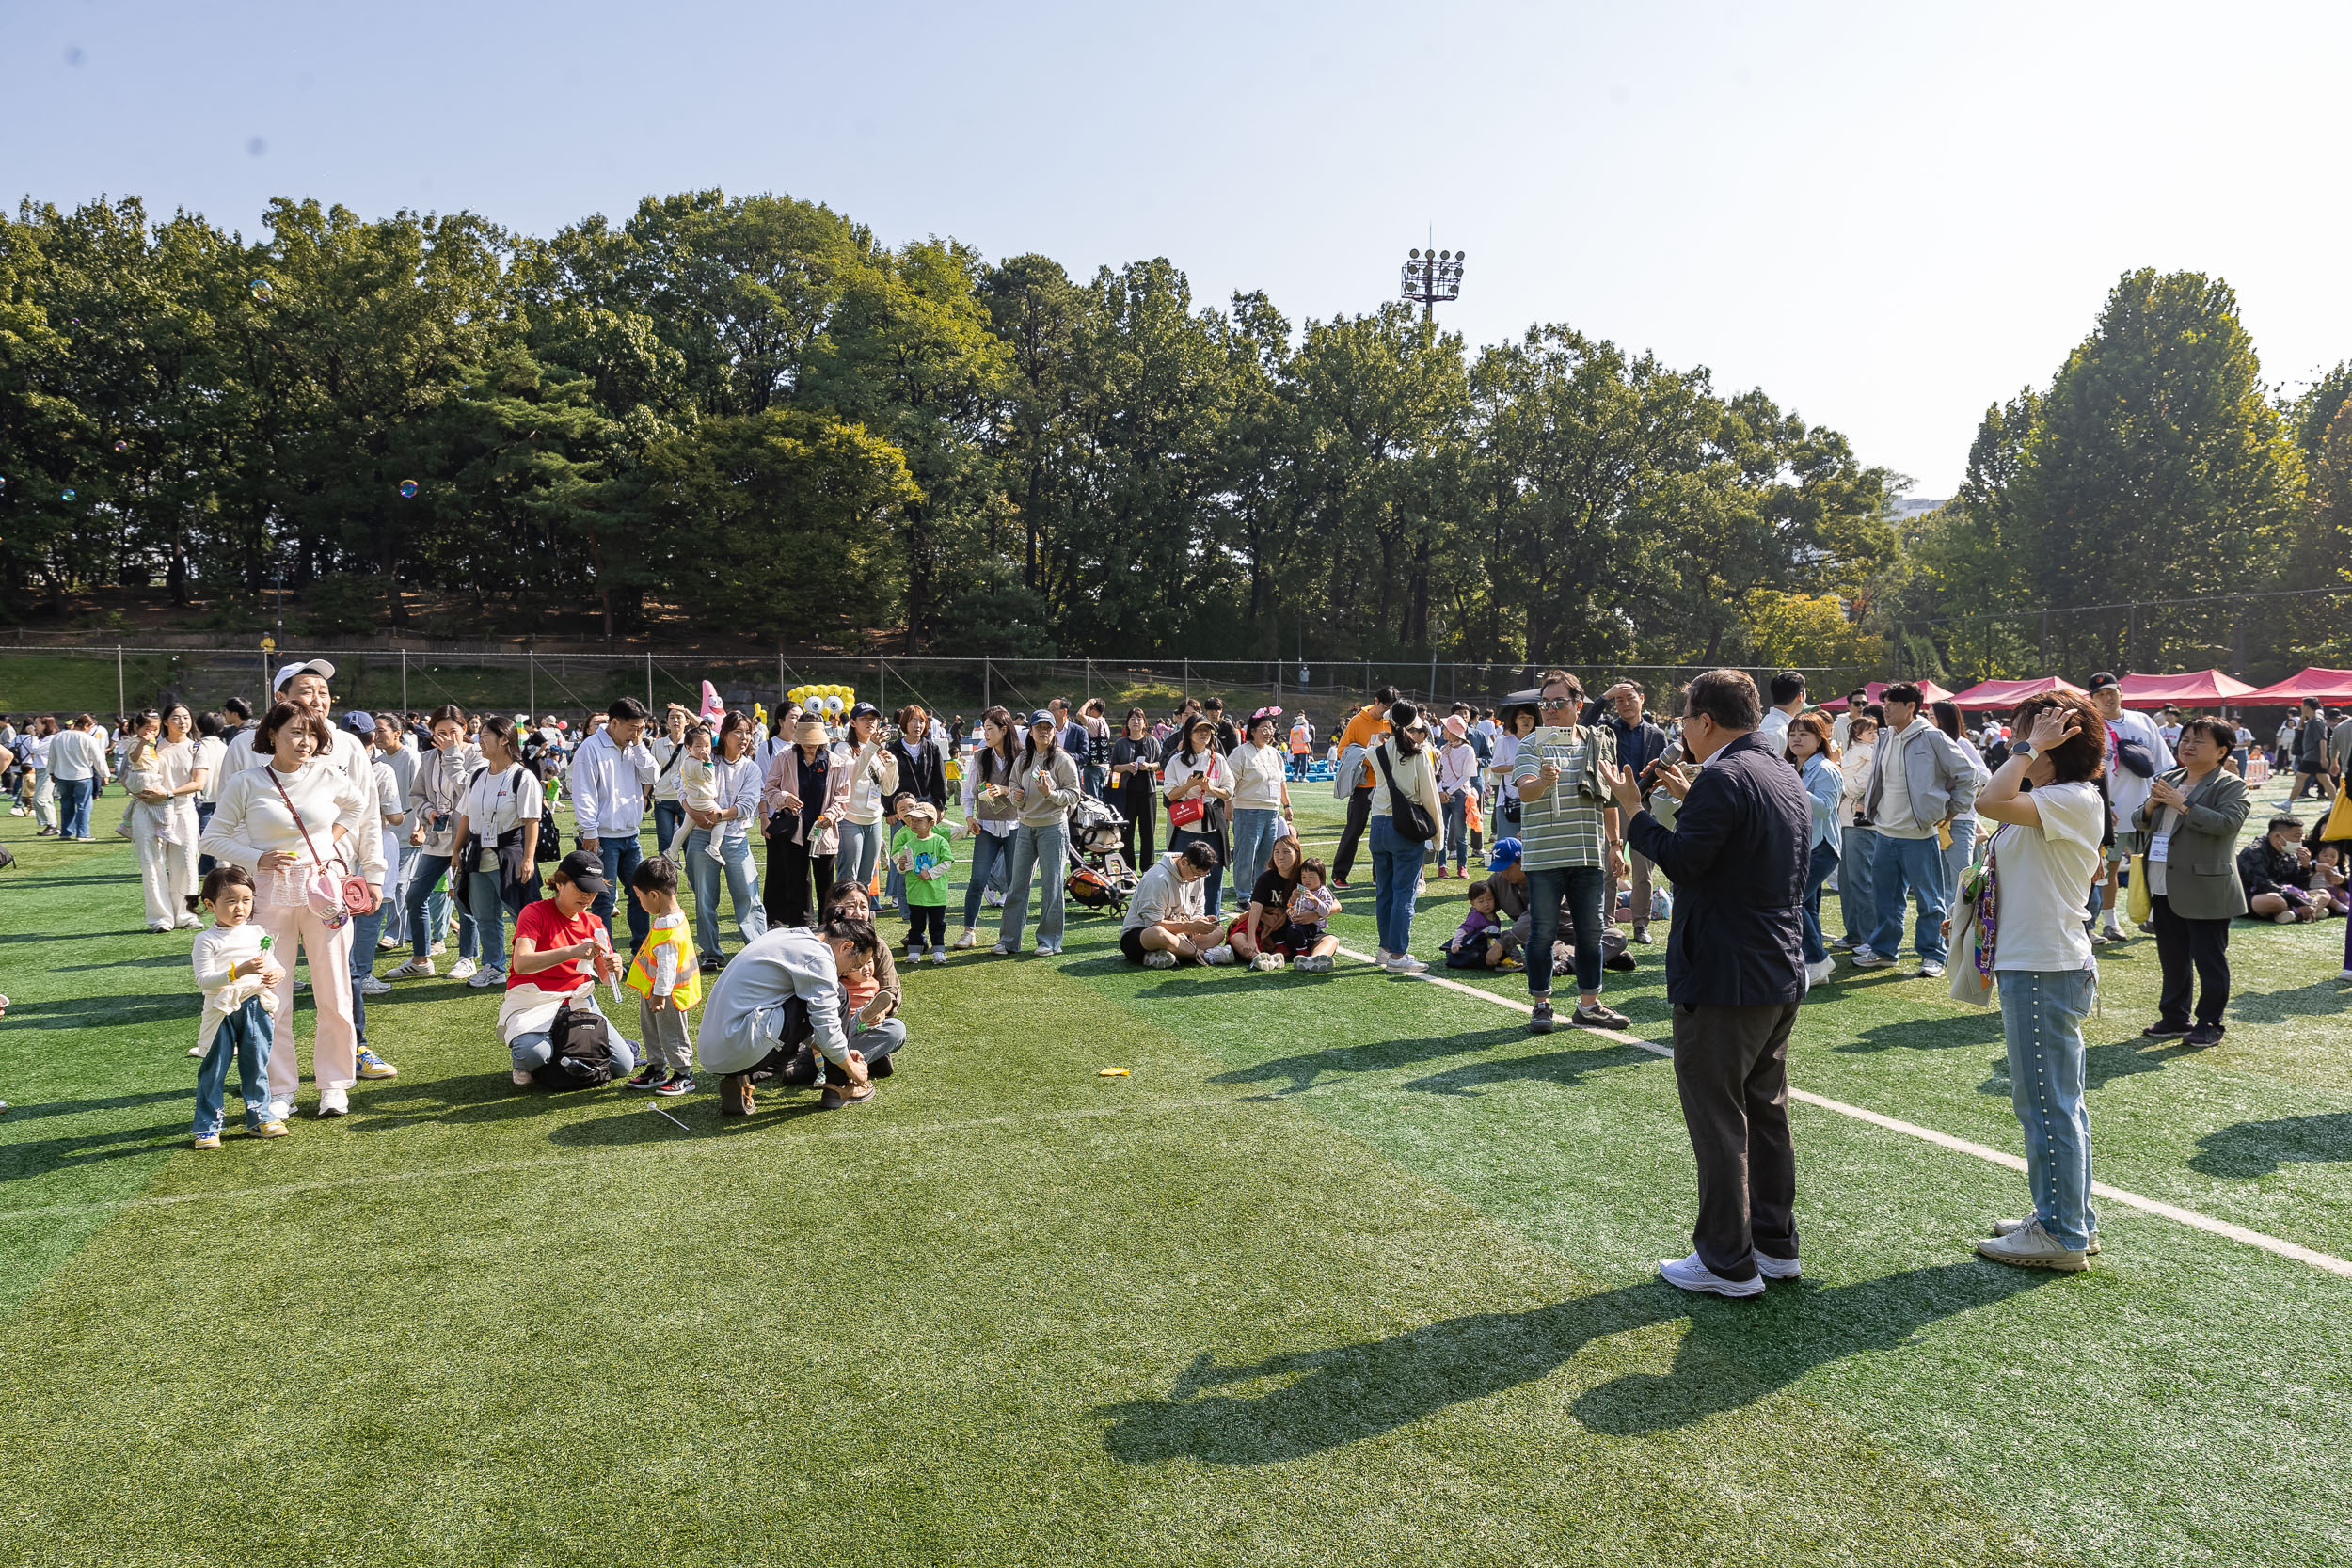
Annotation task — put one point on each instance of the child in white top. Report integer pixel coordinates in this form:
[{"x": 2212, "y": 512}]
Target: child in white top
[
  {"x": 697, "y": 790},
  {"x": 235, "y": 970}
]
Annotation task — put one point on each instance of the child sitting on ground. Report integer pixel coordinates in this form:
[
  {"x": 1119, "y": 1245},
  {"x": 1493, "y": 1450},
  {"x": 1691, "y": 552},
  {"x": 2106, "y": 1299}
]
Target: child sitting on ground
[
  {"x": 235, "y": 972},
  {"x": 2327, "y": 884},
  {"x": 923, "y": 855},
  {"x": 697, "y": 790},
  {"x": 869, "y": 998},
  {"x": 1483, "y": 942},
  {"x": 667, "y": 979},
  {"x": 1312, "y": 908}
]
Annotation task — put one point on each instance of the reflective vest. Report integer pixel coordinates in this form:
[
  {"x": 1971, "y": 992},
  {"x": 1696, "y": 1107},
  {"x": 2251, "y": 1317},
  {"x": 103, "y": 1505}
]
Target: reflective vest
[{"x": 688, "y": 988}]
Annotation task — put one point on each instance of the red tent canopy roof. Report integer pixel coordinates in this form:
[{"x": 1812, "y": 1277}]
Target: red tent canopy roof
[
  {"x": 2327, "y": 686},
  {"x": 2001, "y": 694},
  {"x": 1875, "y": 691},
  {"x": 2197, "y": 688}
]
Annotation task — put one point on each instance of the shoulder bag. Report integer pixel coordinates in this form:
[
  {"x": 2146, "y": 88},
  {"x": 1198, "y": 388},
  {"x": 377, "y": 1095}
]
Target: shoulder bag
[
  {"x": 1974, "y": 937},
  {"x": 332, "y": 898},
  {"x": 1411, "y": 817}
]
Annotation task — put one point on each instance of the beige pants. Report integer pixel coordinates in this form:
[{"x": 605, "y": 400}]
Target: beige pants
[
  {"x": 334, "y": 1052},
  {"x": 167, "y": 874}
]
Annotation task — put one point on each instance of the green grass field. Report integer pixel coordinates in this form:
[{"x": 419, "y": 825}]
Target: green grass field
[{"x": 1350, "y": 1270}]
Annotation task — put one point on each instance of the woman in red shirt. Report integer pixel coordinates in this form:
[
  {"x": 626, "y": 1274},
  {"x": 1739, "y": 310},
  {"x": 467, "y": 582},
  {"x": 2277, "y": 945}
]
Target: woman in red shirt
[{"x": 561, "y": 951}]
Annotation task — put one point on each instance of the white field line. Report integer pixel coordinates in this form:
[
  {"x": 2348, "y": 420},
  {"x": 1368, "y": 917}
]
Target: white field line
[
  {"x": 862, "y": 1128},
  {"x": 2189, "y": 1217}
]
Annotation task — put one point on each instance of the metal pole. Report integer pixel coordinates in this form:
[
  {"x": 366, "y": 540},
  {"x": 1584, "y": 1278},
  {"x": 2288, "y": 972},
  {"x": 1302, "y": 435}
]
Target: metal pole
[
  {"x": 988, "y": 682},
  {"x": 1089, "y": 680},
  {"x": 882, "y": 682},
  {"x": 780, "y": 686},
  {"x": 649, "y": 680},
  {"x": 403, "y": 686},
  {"x": 531, "y": 663},
  {"x": 1187, "y": 677},
  {"x": 122, "y": 701}
]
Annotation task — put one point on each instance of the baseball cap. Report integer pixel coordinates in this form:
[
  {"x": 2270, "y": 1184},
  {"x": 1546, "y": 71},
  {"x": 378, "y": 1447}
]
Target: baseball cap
[
  {"x": 2101, "y": 681},
  {"x": 361, "y": 720},
  {"x": 1043, "y": 716},
  {"x": 286, "y": 673},
  {"x": 1506, "y": 855},
  {"x": 584, "y": 871},
  {"x": 865, "y": 711}
]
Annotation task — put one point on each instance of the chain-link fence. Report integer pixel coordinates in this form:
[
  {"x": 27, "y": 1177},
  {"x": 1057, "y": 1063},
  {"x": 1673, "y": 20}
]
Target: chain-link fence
[{"x": 111, "y": 678}]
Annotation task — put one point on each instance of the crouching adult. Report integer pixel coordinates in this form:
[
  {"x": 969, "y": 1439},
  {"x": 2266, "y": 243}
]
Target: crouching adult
[
  {"x": 1167, "y": 915},
  {"x": 780, "y": 993},
  {"x": 561, "y": 951}
]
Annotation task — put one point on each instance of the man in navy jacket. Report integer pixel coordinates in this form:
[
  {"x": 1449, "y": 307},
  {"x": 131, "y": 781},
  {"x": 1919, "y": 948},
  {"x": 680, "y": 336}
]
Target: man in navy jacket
[{"x": 1734, "y": 972}]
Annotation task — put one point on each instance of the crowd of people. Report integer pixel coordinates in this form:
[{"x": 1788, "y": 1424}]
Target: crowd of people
[{"x": 335, "y": 842}]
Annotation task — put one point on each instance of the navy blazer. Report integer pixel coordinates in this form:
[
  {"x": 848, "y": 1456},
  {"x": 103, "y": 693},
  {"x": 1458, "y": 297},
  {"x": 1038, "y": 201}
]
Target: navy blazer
[{"x": 1737, "y": 858}]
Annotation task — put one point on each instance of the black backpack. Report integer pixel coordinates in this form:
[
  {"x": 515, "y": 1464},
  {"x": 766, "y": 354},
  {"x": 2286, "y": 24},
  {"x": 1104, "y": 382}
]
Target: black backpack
[{"x": 582, "y": 1043}]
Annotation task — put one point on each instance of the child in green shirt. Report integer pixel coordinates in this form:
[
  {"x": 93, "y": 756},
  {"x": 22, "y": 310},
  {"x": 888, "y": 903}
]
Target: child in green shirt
[{"x": 924, "y": 856}]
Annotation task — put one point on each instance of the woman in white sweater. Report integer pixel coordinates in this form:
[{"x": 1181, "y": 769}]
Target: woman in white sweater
[
  {"x": 164, "y": 825},
  {"x": 1044, "y": 787},
  {"x": 873, "y": 775},
  {"x": 1262, "y": 799},
  {"x": 282, "y": 822}
]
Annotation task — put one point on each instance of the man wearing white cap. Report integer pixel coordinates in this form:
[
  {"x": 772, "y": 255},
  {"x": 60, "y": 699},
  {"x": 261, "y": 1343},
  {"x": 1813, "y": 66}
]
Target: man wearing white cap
[{"x": 306, "y": 686}]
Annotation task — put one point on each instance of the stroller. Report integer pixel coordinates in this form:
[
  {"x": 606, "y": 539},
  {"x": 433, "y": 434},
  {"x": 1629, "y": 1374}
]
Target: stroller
[{"x": 1099, "y": 877}]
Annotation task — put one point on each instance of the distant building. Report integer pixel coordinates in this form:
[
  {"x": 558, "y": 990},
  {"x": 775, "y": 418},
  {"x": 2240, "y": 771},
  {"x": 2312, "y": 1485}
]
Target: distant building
[{"x": 1907, "y": 507}]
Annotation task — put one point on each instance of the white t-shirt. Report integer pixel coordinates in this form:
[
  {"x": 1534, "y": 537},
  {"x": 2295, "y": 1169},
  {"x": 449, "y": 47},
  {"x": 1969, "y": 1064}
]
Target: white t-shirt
[
  {"x": 2044, "y": 879},
  {"x": 2126, "y": 789},
  {"x": 210, "y": 751},
  {"x": 497, "y": 804}
]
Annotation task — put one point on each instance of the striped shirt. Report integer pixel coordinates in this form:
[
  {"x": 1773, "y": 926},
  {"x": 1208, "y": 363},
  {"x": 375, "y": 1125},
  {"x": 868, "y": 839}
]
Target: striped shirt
[{"x": 1564, "y": 828}]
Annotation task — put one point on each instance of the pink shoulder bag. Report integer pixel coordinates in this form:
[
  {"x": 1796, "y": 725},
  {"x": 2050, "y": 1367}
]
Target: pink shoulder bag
[{"x": 332, "y": 898}]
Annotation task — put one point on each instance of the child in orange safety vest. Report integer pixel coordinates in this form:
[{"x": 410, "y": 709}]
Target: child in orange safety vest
[{"x": 667, "y": 979}]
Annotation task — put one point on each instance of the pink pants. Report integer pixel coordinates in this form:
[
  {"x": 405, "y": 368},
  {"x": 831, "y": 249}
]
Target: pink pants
[{"x": 334, "y": 1052}]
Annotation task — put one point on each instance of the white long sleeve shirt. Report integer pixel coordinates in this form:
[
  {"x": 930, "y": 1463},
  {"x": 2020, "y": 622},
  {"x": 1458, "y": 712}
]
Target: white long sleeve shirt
[
  {"x": 873, "y": 774},
  {"x": 252, "y": 819},
  {"x": 351, "y": 757},
  {"x": 76, "y": 754},
  {"x": 218, "y": 949},
  {"x": 1258, "y": 775},
  {"x": 669, "y": 763},
  {"x": 739, "y": 784},
  {"x": 435, "y": 792},
  {"x": 609, "y": 786}
]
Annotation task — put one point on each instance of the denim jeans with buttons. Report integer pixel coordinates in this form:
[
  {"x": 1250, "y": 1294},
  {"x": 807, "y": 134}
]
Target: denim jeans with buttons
[{"x": 2041, "y": 1015}]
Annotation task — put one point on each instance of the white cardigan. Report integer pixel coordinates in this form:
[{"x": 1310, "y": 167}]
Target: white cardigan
[{"x": 252, "y": 819}]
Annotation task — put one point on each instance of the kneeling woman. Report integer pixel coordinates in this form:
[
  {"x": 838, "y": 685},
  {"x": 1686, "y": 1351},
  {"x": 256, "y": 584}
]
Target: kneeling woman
[
  {"x": 780, "y": 992},
  {"x": 561, "y": 952}
]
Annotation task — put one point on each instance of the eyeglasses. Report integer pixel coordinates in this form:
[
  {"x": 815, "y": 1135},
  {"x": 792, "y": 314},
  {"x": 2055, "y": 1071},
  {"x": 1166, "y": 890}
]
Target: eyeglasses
[{"x": 1550, "y": 702}]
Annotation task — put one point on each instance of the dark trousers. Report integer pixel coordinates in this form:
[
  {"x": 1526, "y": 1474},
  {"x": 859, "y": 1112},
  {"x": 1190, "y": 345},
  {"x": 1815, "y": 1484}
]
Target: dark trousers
[
  {"x": 1359, "y": 815},
  {"x": 1576, "y": 891},
  {"x": 926, "y": 925},
  {"x": 1731, "y": 1065},
  {"x": 621, "y": 856},
  {"x": 1135, "y": 803},
  {"x": 2191, "y": 947},
  {"x": 786, "y": 893}
]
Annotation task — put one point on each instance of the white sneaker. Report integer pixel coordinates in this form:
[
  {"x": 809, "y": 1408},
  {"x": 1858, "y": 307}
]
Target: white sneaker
[
  {"x": 2029, "y": 1246},
  {"x": 971, "y": 938},
  {"x": 1049, "y": 949},
  {"x": 1929, "y": 970},
  {"x": 2346, "y": 974},
  {"x": 334, "y": 1103},
  {"x": 462, "y": 969},
  {"x": 281, "y": 1110},
  {"x": 1221, "y": 955},
  {"x": 1864, "y": 959},
  {"x": 2011, "y": 1227},
  {"x": 371, "y": 986},
  {"x": 438, "y": 948},
  {"x": 1689, "y": 1274},
  {"x": 1159, "y": 959},
  {"x": 388, "y": 944},
  {"x": 1405, "y": 963},
  {"x": 195, "y": 1050},
  {"x": 1779, "y": 1268},
  {"x": 1266, "y": 962},
  {"x": 415, "y": 969},
  {"x": 1001, "y": 950},
  {"x": 1818, "y": 974},
  {"x": 483, "y": 979},
  {"x": 939, "y": 954}
]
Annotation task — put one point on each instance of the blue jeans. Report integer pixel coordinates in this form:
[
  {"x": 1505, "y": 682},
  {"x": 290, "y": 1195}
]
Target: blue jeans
[
  {"x": 668, "y": 818},
  {"x": 1816, "y": 871},
  {"x": 1254, "y": 833},
  {"x": 396, "y": 895},
  {"x": 861, "y": 851},
  {"x": 1917, "y": 865},
  {"x": 365, "y": 929},
  {"x": 2041, "y": 1015},
  {"x": 536, "y": 1050},
  {"x": 1956, "y": 859},
  {"x": 1856, "y": 890},
  {"x": 1039, "y": 849},
  {"x": 1457, "y": 828},
  {"x": 1092, "y": 780},
  {"x": 701, "y": 874},
  {"x": 1580, "y": 889},
  {"x": 987, "y": 859},
  {"x": 245, "y": 1035},
  {"x": 428, "y": 910},
  {"x": 1396, "y": 862},
  {"x": 204, "y": 863},
  {"x": 621, "y": 856},
  {"x": 1213, "y": 895},
  {"x": 73, "y": 798},
  {"x": 489, "y": 917}
]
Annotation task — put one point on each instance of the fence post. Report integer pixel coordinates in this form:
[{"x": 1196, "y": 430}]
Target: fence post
[
  {"x": 1090, "y": 685},
  {"x": 780, "y": 683},
  {"x": 404, "y": 688},
  {"x": 531, "y": 663},
  {"x": 122, "y": 701},
  {"x": 1187, "y": 677},
  {"x": 649, "y": 680},
  {"x": 988, "y": 681},
  {"x": 882, "y": 682}
]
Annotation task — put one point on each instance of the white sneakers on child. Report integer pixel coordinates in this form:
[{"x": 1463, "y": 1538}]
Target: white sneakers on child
[{"x": 1221, "y": 954}]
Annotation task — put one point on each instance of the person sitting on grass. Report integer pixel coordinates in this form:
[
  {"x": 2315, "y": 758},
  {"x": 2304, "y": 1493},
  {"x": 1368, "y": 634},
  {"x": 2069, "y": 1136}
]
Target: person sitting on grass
[
  {"x": 872, "y": 1005},
  {"x": 1311, "y": 907},
  {"x": 781, "y": 992},
  {"x": 667, "y": 980},
  {"x": 2274, "y": 871},
  {"x": 1165, "y": 913},
  {"x": 1262, "y": 934},
  {"x": 561, "y": 952},
  {"x": 2327, "y": 886},
  {"x": 235, "y": 972},
  {"x": 1481, "y": 943}
]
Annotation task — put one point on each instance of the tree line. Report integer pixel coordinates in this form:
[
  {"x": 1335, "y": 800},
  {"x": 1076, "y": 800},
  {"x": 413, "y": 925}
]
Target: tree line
[{"x": 749, "y": 416}]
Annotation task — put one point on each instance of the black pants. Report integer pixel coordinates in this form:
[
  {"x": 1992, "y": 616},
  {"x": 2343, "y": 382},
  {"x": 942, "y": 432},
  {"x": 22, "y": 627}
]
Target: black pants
[
  {"x": 2186, "y": 947},
  {"x": 1358, "y": 817},
  {"x": 787, "y": 895},
  {"x": 1135, "y": 802},
  {"x": 1731, "y": 1067},
  {"x": 926, "y": 924}
]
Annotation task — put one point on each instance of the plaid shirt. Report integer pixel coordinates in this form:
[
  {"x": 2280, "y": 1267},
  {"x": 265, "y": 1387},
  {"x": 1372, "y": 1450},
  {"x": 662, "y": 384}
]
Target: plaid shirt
[{"x": 1564, "y": 828}]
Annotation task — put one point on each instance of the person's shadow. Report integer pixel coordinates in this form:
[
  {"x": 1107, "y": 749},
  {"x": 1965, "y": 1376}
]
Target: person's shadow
[
  {"x": 1735, "y": 1353},
  {"x": 2250, "y": 1149}
]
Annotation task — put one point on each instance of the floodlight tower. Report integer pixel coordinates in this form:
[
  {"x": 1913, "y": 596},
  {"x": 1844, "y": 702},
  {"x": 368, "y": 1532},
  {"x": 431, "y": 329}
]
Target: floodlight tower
[{"x": 1433, "y": 277}]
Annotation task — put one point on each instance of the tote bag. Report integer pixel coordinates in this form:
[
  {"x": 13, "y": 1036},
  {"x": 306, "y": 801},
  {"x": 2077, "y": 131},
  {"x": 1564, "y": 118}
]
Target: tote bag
[{"x": 1973, "y": 941}]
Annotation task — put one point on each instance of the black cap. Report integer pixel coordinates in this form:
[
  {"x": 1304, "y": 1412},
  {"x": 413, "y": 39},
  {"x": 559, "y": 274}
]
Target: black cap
[
  {"x": 2101, "y": 681},
  {"x": 865, "y": 711},
  {"x": 584, "y": 871}
]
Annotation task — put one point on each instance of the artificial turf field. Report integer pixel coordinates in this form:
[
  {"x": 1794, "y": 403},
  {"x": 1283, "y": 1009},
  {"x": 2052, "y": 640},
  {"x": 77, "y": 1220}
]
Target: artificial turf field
[{"x": 1351, "y": 1269}]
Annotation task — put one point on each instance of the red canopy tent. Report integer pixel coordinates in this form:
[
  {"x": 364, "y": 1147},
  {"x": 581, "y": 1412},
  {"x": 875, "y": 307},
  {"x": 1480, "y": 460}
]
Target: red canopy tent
[
  {"x": 2200, "y": 689},
  {"x": 2008, "y": 694},
  {"x": 1874, "y": 690},
  {"x": 2327, "y": 686}
]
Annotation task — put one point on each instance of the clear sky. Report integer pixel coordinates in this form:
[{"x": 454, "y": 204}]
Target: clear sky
[{"x": 1886, "y": 215}]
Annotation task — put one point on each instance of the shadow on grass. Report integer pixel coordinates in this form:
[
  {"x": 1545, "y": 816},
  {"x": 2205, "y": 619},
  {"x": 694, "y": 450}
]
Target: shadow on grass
[
  {"x": 2328, "y": 998},
  {"x": 1566, "y": 1068},
  {"x": 2257, "y": 1149},
  {"x": 1735, "y": 1353},
  {"x": 23, "y": 1162},
  {"x": 154, "y": 961},
  {"x": 21, "y": 1111},
  {"x": 94, "y": 1012},
  {"x": 1307, "y": 1069},
  {"x": 1927, "y": 1034}
]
